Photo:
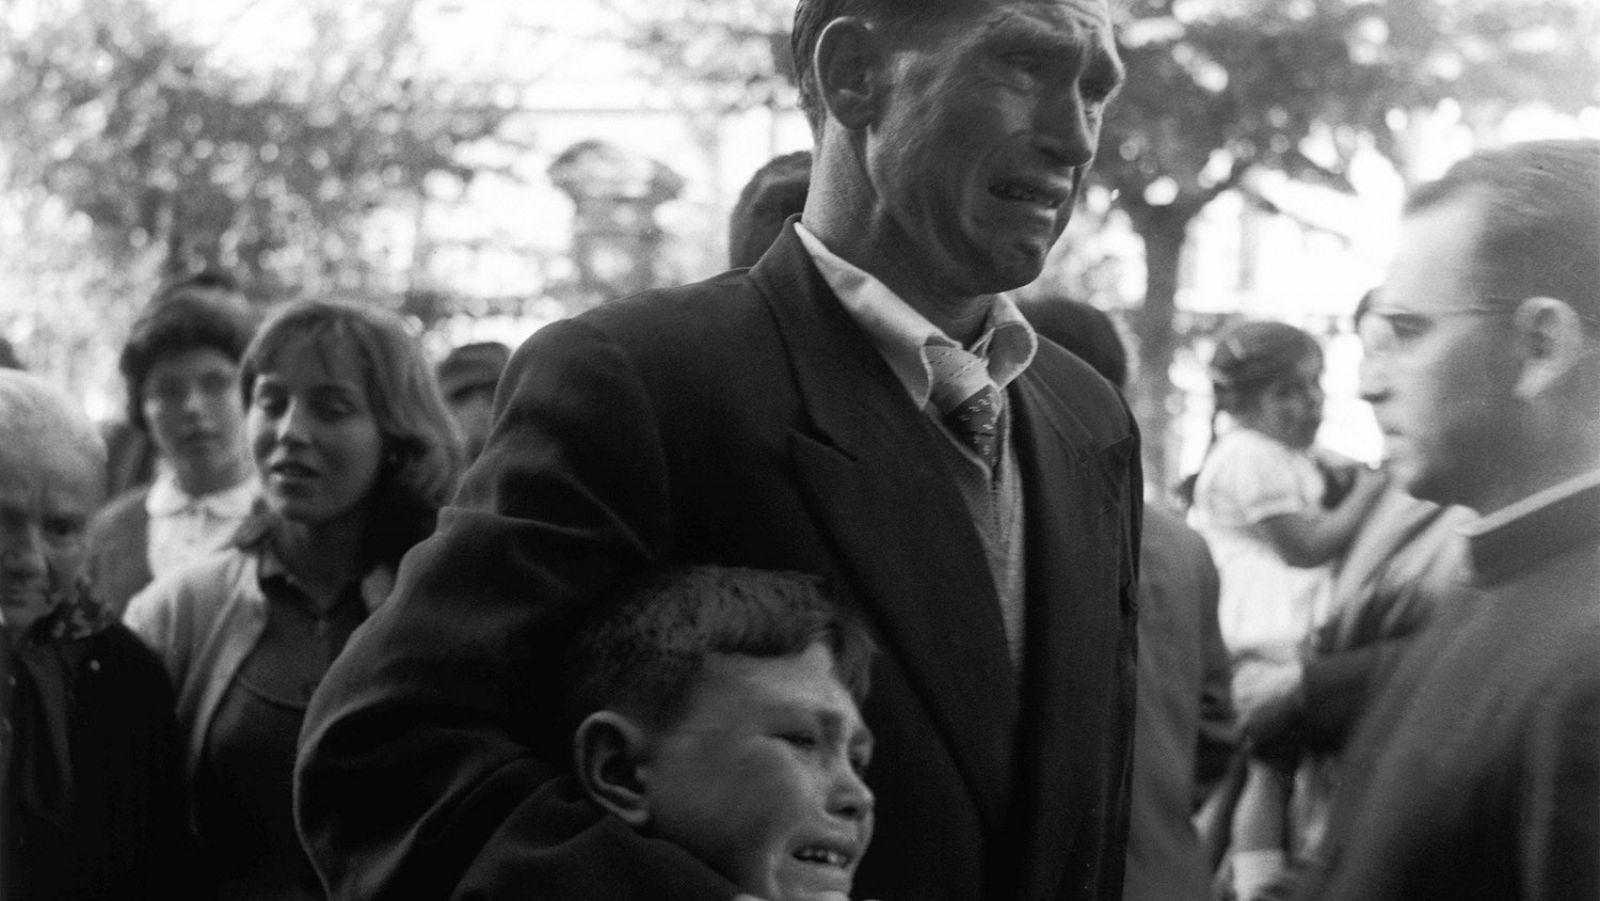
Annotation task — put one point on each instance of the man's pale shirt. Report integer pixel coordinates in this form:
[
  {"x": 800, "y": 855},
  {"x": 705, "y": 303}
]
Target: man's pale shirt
[{"x": 1007, "y": 345}]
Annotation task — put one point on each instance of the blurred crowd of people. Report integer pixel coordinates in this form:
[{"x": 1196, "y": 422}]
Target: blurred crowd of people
[{"x": 683, "y": 599}]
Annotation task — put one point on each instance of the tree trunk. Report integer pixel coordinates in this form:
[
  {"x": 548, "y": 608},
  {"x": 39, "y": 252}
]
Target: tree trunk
[{"x": 1163, "y": 229}]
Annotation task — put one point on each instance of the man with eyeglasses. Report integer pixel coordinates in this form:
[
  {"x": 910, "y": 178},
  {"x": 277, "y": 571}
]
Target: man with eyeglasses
[{"x": 1477, "y": 772}]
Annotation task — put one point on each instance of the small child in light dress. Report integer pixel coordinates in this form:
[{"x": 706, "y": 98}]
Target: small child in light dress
[{"x": 1263, "y": 502}]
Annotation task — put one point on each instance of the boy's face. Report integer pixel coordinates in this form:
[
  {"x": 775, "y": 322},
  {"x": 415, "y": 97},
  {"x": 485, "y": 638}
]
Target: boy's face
[{"x": 761, "y": 776}]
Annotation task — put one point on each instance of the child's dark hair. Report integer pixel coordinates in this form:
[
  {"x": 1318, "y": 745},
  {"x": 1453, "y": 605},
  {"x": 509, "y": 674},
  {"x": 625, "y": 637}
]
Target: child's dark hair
[
  {"x": 643, "y": 650},
  {"x": 1253, "y": 354},
  {"x": 202, "y": 311},
  {"x": 1250, "y": 356}
]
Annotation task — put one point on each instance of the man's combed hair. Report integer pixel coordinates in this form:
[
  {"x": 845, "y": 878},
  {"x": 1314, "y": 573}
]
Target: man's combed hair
[
  {"x": 812, "y": 16},
  {"x": 1540, "y": 222},
  {"x": 645, "y": 647}
]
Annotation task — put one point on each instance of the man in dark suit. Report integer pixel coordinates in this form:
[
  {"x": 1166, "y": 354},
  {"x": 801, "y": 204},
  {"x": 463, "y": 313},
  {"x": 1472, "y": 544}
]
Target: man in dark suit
[
  {"x": 861, "y": 404},
  {"x": 1476, "y": 774}
]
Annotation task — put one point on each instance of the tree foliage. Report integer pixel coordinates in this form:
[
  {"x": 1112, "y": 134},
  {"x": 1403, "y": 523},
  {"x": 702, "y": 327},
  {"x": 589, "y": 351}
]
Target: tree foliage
[
  {"x": 721, "y": 56},
  {"x": 274, "y": 175},
  {"x": 1217, "y": 89}
]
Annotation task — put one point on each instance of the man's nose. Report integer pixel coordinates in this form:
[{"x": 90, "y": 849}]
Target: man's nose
[
  {"x": 1066, "y": 131},
  {"x": 194, "y": 399},
  {"x": 1372, "y": 378}
]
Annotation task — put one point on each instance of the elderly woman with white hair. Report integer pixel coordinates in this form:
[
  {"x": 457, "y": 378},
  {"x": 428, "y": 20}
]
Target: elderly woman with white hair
[{"x": 92, "y": 800}]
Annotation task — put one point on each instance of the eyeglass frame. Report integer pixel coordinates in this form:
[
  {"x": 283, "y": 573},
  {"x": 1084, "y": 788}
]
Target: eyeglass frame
[{"x": 1388, "y": 316}]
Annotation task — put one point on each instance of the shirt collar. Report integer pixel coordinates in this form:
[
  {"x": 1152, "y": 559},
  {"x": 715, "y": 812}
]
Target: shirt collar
[
  {"x": 167, "y": 499},
  {"x": 1007, "y": 343},
  {"x": 373, "y": 588},
  {"x": 1530, "y": 505}
]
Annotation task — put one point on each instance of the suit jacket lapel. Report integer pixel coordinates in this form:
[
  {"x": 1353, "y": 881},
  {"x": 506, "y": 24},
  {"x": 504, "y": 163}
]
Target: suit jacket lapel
[
  {"x": 1073, "y": 517},
  {"x": 879, "y": 488}
]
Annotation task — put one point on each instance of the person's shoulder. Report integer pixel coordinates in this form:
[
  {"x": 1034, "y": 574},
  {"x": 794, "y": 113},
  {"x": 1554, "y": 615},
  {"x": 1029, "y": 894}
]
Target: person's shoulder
[
  {"x": 690, "y": 334},
  {"x": 202, "y": 586},
  {"x": 121, "y": 511},
  {"x": 118, "y": 648},
  {"x": 1247, "y": 447},
  {"x": 682, "y": 313}
]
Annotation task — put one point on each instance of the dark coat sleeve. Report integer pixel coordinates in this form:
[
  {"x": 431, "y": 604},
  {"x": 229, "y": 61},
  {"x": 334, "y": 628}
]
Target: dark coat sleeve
[
  {"x": 128, "y": 762},
  {"x": 426, "y": 748},
  {"x": 1557, "y": 806},
  {"x": 126, "y": 835},
  {"x": 1219, "y": 728}
]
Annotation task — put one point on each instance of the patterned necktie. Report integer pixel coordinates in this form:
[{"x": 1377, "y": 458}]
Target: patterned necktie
[{"x": 967, "y": 399}]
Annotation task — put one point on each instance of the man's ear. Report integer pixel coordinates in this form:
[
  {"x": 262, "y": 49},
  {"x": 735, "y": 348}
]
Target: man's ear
[
  {"x": 1550, "y": 343},
  {"x": 607, "y": 749},
  {"x": 848, "y": 61}
]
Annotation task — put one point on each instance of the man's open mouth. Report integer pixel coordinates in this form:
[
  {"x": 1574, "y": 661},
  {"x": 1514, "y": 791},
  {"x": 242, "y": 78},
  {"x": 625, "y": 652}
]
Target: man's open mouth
[{"x": 1025, "y": 192}]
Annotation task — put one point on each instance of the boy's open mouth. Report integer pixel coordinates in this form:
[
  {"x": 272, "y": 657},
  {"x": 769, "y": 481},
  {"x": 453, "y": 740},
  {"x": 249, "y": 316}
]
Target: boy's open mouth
[{"x": 820, "y": 855}]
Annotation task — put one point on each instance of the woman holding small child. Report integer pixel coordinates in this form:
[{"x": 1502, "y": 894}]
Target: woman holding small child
[
  {"x": 356, "y": 453},
  {"x": 1264, "y": 505}
]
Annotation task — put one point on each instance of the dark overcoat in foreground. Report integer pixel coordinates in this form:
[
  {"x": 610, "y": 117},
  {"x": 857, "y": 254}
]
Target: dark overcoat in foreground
[{"x": 746, "y": 420}]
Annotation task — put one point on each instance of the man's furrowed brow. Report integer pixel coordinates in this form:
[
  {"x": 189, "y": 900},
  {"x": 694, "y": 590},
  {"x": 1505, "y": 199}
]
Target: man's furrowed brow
[{"x": 1080, "y": 36}]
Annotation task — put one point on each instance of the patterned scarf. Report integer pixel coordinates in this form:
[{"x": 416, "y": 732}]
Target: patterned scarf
[{"x": 36, "y": 754}]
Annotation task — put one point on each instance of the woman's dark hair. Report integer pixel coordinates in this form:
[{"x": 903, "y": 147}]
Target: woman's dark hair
[
  {"x": 421, "y": 446},
  {"x": 202, "y": 311}
]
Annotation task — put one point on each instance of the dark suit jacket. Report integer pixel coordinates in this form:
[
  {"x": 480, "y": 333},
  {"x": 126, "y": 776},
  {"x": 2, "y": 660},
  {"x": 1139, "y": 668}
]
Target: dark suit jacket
[
  {"x": 109, "y": 818},
  {"x": 745, "y": 420},
  {"x": 1476, "y": 776},
  {"x": 1185, "y": 732}
]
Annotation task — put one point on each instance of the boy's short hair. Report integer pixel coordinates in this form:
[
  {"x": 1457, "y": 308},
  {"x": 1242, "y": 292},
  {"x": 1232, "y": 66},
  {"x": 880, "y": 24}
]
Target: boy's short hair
[
  {"x": 201, "y": 311},
  {"x": 645, "y": 648}
]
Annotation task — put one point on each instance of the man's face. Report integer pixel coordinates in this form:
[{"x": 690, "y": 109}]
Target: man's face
[
  {"x": 1438, "y": 367},
  {"x": 473, "y": 410},
  {"x": 984, "y": 131},
  {"x": 48, "y": 492},
  {"x": 196, "y": 418},
  {"x": 761, "y": 777}
]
